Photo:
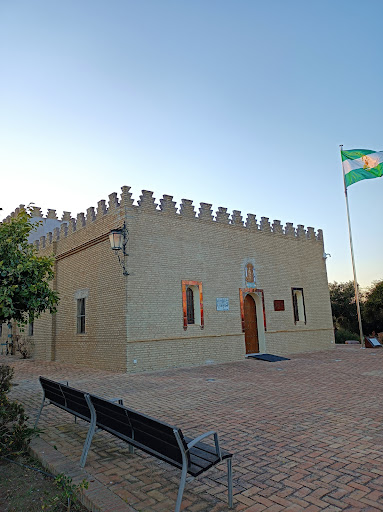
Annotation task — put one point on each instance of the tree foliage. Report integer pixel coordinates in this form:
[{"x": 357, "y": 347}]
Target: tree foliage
[
  {"x": 25, "y": 277},
  {"x": 373, "y": 306},
  {"x": 344, "y": 311},
  {"x": 343, "y": 304}
]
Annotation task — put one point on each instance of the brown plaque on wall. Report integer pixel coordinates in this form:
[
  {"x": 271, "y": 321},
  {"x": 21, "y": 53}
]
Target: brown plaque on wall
[{"x": 279, "y": 305}]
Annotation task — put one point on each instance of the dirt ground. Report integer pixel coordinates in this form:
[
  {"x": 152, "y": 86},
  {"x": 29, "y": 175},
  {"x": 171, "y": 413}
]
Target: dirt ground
[{"x": 26, "y": 490}]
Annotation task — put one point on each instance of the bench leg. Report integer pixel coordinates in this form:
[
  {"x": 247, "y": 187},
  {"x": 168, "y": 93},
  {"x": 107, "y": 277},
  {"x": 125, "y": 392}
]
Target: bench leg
[
  {"x": 229, "y": 483},
  {"x": 91, "y": 431},
  {"x": 39, "y": 413},
  {"x": 181, "y": 488},
  {"x": 88, "y": 442},
  {"x": 131, "y": 447}
]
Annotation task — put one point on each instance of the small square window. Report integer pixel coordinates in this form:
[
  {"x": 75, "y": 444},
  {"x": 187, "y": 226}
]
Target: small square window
[{"x": 279, "y": 305}]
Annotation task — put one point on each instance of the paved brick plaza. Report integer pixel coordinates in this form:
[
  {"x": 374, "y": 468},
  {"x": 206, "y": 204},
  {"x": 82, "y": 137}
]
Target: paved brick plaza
[{"x": 307, "y": 434}]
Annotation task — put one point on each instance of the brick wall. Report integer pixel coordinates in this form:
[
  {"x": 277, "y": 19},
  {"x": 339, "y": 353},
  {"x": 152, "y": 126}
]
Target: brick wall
[
  {"x": 167, "y": 248},
  {"x": 135, "y": 322}
]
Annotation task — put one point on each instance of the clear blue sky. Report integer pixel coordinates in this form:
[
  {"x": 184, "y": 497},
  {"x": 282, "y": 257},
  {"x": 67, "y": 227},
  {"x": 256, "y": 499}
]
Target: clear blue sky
[{"x": 237, "y": 103}]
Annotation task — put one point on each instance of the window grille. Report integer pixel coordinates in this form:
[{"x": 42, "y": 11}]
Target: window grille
[
  {"x": 190, "y": 305},
  {"x": 81, "y": 316}
]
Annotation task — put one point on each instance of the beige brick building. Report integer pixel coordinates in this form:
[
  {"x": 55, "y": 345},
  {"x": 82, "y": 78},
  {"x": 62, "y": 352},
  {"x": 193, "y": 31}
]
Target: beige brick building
[{"x": 201, "y": 288}]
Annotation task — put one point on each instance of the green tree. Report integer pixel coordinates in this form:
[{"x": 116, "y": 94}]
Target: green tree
[
  {"x": 343, "y": 304},
  {"x": 25, "y": 276},
  {"x": 373, "y": 307}
]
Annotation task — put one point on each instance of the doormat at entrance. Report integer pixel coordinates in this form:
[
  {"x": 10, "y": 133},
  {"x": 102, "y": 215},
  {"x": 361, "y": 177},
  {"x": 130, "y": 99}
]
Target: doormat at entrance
[{"x": 269, "y": 357}]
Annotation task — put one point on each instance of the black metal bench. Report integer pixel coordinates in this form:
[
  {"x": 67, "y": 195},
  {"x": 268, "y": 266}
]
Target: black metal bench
[
  {"x": 159, "y": 439},
  {"x": 154, "y": 437},
  {"x": 65, "y": 397},
  {"x": 68, "y": 399}
]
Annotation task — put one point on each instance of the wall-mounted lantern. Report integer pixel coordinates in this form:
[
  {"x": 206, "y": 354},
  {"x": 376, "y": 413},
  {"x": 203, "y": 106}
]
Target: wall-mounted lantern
[{"x": 118, "y": 240}]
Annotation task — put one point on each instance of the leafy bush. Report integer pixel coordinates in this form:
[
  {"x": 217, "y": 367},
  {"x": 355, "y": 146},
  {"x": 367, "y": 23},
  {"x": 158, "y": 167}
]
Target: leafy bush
[
  {"x": 341, "y": 335},
  {"x": 25, "y": 346},
  {"x": 15, "y": 435},
  {"x": 6, "y": 376}
]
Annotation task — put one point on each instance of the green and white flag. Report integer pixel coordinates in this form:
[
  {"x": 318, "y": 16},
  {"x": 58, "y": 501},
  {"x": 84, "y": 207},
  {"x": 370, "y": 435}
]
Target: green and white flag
[{"x": 361, "y": 164}]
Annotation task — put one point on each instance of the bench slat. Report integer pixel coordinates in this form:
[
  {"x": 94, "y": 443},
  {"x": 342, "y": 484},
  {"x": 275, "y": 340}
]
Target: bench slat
[
  {"x": 198, "y": 465},
  {"x": 208, "y": 449},
  {"x": 75, "y": 402},
  {"x": 110, "y": 417},
  {"x": 53, "y": 391},
  {"x": 203, "y": 456},
  {"x": 152, "y": 436},
  {"x": 69, "y": 399}
]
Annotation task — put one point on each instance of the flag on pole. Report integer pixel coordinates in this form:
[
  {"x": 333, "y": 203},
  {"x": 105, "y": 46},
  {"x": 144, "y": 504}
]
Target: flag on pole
[{"x": 361, "y": 164}]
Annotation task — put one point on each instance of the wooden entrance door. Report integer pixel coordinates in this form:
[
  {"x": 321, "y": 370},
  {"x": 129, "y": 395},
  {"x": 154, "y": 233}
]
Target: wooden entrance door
[{"x": 251, "y": 328}]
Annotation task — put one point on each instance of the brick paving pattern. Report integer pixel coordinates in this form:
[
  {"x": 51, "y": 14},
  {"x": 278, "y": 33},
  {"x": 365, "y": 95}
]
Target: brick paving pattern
[{"x": 307, "y": 434}]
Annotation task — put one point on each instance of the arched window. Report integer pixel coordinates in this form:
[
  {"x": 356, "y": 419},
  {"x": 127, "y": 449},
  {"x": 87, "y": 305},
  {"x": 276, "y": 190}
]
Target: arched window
[{"x": 190, "y": 305}]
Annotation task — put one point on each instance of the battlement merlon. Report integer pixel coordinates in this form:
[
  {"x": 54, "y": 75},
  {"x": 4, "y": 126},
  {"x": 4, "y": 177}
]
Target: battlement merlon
[{"x": 54, "y": 229}]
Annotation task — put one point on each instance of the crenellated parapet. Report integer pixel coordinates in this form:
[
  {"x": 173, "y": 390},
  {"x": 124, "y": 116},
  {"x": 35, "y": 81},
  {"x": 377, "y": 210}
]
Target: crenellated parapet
[
  {"x": 251, "y": 221},
  {"x": 72, "y": 226},
  {"x": 236, "y": 218},
  {"x": 222, "y": 215},
  {"x": 36, "y": 212},
  {"x": 63, "y": 230},
  {"x": 310, "y": 233},
  {"x": 167, "y": 205},
  {"x": 146, "y": 201},
  {"x": 205, "y": 212},
  {"x": 301, "y": 232},
  {"x": 80, "y": 221},
  {"x": 113, "y": 202},
  {"x": 289, "y": 229},
  {"x": 265, "y": 225},
  {"x": 56, "y": 234},
  {"x": 54, "y": 229},
  {"x": 14, "y": 214},
  {"x": 187, "y": 209},
  {"x": 126, "y": 197},
  {"x": 277, "y": 227},
  {"x": 52, "y": 214},
  {"x": 101, "y": 209},
  {"x": 90, "y": 215}
]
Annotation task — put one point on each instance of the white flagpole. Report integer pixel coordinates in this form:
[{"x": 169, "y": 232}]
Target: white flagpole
[{"x": 353, "y": 261}]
